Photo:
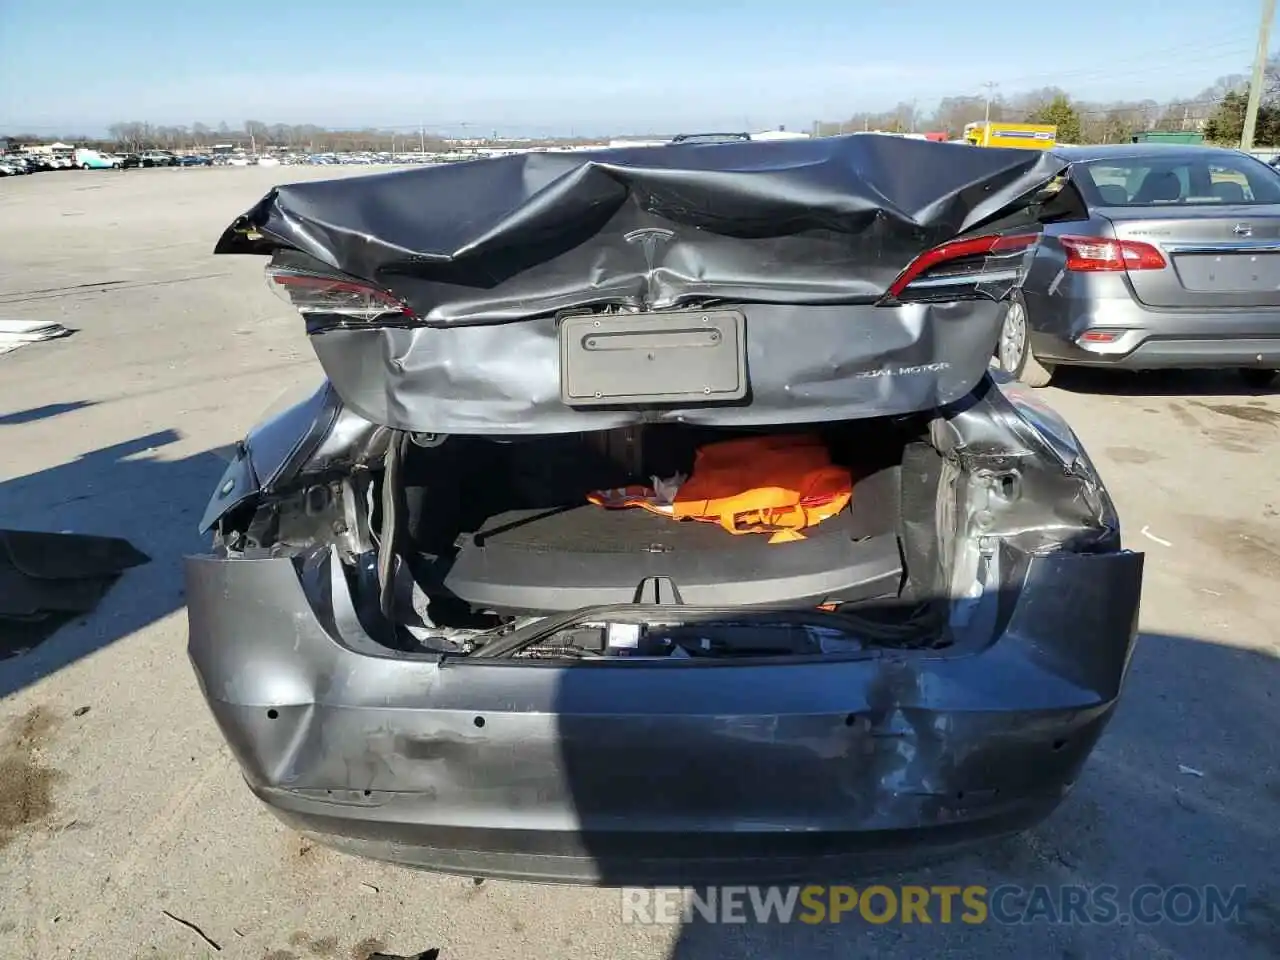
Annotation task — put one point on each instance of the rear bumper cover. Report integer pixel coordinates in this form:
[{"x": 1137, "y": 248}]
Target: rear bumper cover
[
  {"x": 1139, "y": 351},
  {"x": 666, "y": 774},
  {"x": 1151, "y": 339}
]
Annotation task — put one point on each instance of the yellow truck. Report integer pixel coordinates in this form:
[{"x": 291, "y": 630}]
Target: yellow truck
[{"x": 995, "y": 133}]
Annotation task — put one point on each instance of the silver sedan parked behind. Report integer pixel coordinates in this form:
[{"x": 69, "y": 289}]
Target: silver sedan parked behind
[{"x": 1157, "y": 257}]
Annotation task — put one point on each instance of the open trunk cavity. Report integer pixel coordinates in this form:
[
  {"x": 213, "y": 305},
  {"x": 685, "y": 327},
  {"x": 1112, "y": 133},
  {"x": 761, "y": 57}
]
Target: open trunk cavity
[
  {"x": 489, "y": 547},
  {"x": 507, "y": 526},
  {"x": 478, "y": 534}
]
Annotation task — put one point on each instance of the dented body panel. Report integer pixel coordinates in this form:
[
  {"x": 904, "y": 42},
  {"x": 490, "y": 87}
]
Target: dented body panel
[
  {"x": 664, "y": 773},
  {"x": 829, "y": 220},
  {"x": 804, "y": 238},
  {"x": 806, "y": 364}
]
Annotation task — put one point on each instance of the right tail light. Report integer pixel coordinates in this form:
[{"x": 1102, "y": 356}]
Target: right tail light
[
  {"x": 957, "y": 269},
  {"x": 1100, "y": 255}
]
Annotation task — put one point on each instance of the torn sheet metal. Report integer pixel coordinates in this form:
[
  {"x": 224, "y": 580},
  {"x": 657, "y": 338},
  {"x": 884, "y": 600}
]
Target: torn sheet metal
[{"x": 818, "y": 221}]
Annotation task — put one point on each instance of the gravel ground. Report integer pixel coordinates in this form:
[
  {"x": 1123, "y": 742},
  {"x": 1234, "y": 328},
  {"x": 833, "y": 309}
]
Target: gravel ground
[{"x": 119, "y": 822}]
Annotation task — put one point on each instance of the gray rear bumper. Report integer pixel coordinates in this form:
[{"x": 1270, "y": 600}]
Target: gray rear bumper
[
  {"x": 1153, "y": 339},
  {"x": 631, "y": 773}
]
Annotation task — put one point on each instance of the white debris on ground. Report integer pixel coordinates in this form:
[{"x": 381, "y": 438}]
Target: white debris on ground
[{"x": 18, "y": 333}]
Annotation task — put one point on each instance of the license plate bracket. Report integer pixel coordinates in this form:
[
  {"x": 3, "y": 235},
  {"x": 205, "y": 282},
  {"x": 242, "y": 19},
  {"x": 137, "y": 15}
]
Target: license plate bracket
[{"x": 670, "y": 357}]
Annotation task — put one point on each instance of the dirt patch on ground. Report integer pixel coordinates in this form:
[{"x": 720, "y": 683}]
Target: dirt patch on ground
[
  {"x": 26, "y": 785},
  {"x": 1132, "y": 455},
  {"x": 1254, "y": 548},
  {"x": 367, "y": 948},
  {"x": 1240, "y": 411},
  {"x": 316, "y": 946}
]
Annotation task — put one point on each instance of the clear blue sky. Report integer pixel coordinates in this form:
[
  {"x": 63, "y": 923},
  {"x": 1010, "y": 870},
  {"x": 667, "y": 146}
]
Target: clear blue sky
[{"x": 597, "y": 67}]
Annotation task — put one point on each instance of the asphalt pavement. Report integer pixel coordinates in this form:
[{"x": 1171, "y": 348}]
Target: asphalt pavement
[{"x": 125, "y": 830}]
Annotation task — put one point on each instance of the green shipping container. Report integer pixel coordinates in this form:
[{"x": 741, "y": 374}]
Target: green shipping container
[{"x": 1167, "y": 136}]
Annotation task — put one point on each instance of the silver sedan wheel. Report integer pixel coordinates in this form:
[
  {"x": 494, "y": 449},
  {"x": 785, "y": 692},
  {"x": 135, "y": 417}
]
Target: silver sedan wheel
[{"x": 1013, "y": 337}]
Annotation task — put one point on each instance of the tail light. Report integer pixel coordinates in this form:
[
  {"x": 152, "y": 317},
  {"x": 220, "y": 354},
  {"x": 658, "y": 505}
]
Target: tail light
[
  {"x": 1100, "y": 255},
  {"x": 961, "y": 263},
  {"x": 337, "y": 298}
]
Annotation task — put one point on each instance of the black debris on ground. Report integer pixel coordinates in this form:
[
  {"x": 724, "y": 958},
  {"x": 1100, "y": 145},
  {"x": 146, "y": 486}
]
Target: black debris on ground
[{"x": 47, "y": 579}]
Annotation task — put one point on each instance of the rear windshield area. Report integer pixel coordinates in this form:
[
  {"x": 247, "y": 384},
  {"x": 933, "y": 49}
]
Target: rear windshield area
[{"x": 1177, "y": 179}]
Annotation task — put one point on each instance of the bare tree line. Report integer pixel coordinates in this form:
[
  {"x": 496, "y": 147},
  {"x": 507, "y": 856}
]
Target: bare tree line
[
  {"x": 137, "y": 135},
  {"x": 1098, "y": 122}
]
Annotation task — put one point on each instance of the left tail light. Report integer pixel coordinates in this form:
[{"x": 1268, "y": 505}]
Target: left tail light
[
  {"x": 956, "y": 270},
  {"x": 1101, "y": 255},
  {"x": 336, "y": 301}
]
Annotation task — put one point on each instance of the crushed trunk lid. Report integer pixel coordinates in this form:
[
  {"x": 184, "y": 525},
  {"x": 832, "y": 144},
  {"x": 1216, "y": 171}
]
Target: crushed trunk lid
[
  {"x": 736, "y": 283},
  {"x": 821, "y": 221}
]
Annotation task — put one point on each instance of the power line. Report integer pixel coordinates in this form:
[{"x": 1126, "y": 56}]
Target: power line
[{"x": 1241, "y": 43}]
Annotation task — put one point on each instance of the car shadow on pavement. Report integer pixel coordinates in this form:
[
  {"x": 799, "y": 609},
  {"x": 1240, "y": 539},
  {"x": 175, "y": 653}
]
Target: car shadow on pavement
[
  {"x": 124, "y": 490},
  {"x": 1183, "y": 789},
  {"x": 47, "y": 412},
  {"x": 1160, "y": 383}
]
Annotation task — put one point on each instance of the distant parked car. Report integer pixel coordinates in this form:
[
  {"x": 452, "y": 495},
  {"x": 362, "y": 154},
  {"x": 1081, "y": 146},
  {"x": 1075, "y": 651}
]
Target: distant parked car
[
  {"x": 94, "y": 160},
  {"x": 130, "y": 160},
  {"x": 696, "y": 138},
  {"x": 195, "y": 160},
  {"x": 1155, "y": 257},
  {"x": 10, "y": 167},
  {"x": 158, "y": 158}
]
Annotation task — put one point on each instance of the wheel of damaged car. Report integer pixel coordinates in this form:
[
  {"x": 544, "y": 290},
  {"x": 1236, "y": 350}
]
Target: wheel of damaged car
[{"x": 1013, "y": 350}]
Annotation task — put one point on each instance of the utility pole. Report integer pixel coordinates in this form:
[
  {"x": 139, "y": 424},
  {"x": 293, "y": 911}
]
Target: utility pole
[
  {"x": 1259, "y": 71},
  {"x": 990, "y": 85},
  {"x": 422, "y": 138}
]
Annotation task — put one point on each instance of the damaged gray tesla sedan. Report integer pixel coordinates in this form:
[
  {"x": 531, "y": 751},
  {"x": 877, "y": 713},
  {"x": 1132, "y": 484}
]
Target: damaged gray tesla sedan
[{"x": 658, "y": 521}]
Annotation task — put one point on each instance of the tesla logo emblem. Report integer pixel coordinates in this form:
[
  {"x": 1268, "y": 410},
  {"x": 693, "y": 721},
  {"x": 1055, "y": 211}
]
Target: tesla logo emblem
[
  {"x": 1242, "y": 230},
  {"x": 649, "y": 239}
]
